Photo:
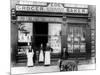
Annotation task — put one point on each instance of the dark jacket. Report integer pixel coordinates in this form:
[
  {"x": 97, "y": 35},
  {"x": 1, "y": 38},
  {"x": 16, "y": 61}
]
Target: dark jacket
[
  {"x": 64, "y": 55},
  {"x": 48, "y": 49}
]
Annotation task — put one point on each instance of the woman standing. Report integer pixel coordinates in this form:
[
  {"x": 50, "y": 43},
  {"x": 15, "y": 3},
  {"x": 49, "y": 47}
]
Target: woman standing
[
  {"x": 30, "y": 54},
  {"x": 47, "y": 55}
]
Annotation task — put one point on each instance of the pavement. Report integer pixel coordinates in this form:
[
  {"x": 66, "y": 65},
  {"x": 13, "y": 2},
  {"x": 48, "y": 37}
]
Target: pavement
[
  {"x": 86, "y": 67},
  {"x": 35, "y": 69},
  {"x": 45, "y": 69}
]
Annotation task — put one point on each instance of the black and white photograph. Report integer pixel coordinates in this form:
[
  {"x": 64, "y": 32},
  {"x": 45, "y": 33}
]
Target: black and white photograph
[{"x": 52, "y": 37}]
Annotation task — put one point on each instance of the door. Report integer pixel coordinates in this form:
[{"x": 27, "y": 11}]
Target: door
[{"x": 40, "y": 34}]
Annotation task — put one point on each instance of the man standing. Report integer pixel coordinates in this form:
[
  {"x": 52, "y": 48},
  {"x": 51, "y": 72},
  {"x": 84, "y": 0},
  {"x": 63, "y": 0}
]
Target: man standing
[
  {"x": 41, "y": 54},
  {"x": 30, "y": 53},
  {"x": 47, "y": 54}
]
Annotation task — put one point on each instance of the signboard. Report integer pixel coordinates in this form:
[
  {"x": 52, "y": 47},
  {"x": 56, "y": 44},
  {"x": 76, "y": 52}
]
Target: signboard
[
  {"x": 51, "y": 8},
  {"x": 39, "y": 19},
  {"x": 25, "y": 2}
]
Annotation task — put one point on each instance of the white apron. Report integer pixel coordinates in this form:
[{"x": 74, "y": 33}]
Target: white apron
[
  {"x": 47, "y": 58},
  {"x": 41, "y": 56},
  {"x": 30, "y": 59}
]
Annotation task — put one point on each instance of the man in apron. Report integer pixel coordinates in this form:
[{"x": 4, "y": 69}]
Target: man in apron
[
  {"x": 30, "y": 53},
  {"x": 47, "y": 55},
  {"x": 41, "y": 54}
]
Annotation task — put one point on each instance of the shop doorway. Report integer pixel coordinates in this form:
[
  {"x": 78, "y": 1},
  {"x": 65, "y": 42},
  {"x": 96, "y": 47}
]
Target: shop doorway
[{"x": 40, "y": 34}]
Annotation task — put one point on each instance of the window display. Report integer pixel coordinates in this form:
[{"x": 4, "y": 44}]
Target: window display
[
  {"x": 25, "y": 32},
  {"x": 55, "y": 37},
  {"x": 76, "y": 39},
  {"x": 24, "y": 37},
  {"x": 70, "y": 48},
  {"x": 82, "y": 47}
]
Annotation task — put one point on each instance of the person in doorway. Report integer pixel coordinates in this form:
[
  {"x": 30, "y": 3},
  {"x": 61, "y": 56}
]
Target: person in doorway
[
  {"x": 30, "y": 53},
  {"x": 47, "y": 54},
  {"x": 41, "y": 54}
]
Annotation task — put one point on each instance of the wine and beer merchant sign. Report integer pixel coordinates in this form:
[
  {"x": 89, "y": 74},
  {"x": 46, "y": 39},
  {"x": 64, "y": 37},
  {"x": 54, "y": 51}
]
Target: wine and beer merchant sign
[{"x": 51, "y": 7}]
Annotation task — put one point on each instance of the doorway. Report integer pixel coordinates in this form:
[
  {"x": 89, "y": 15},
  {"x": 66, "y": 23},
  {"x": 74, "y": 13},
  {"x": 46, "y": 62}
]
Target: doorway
[{"x": 40, "y": 34}]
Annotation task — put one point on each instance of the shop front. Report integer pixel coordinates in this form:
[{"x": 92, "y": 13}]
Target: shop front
[{"x": 60, "y": 25}]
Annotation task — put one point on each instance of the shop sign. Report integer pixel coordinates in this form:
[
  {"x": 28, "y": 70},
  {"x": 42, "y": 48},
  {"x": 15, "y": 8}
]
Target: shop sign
[
  {"x": 51, "y": 8},
  {"x": 25, "y": 2},
  {"x": 57, "y": 5},
  {"x": 39, "y": 19}
]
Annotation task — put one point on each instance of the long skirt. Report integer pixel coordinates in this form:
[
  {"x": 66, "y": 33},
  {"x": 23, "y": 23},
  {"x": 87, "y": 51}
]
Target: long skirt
[
  {"x": 47, "y": 58},
  {"x": 41, "y": 56},
  {"x": 30, "y": 59}
]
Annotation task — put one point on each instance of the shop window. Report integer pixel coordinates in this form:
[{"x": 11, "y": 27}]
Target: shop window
[
  {"x": 24, "y": 37},
  {"x": 24, "y": 32},
  {"x": 76, "y": 39}
]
